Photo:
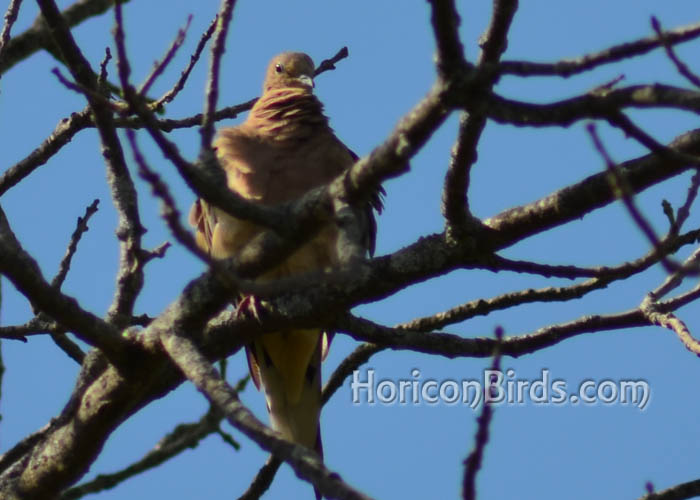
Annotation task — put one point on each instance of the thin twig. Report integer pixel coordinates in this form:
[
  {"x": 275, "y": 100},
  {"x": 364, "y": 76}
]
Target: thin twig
[
  {"x": 38, "y": 36},
  {"x": 80, "y": 229},
  {"x": 625, "y": 193},
  {"x": 24, "y": 273},
  {"x": 160, "y": 66},
  {"x": 472, "y": 463},
  {"x": 569, "y": 67},
  {"x": 684, "y": 210},
  {"x": 497, "y": 263},
  {"x": 93, "y": 94},
  {"x": 169, "y": 210},
  {"x": 171, "y": 214},
  {"x": 601, "y": 278},
  {"x": 68, "y": 127},
  {"x": 329, "y": 64},
  {"x": 10, "y": 18},
  {"x": 263, "y": 479},
  {"x": 61, "y": 135},
  {"x": 674, "y": 281},
  {"x": 59, "y": 337},
  {"x": 352, "y": 362},
  {"x": 623, "y": 122},
  {"x": 102, "y": 78},
  {"x": 680, "y": 300},
  {"x": 157, "y": 253},
  {"x": 123, "y": 66},
  {"x": 682, "y": 68},
  {"x": 180, "y": 84},
  {"x": 212, "y": 93},
  {"x": 69, "y": 347},
  {"x": 181, "y": 438},
  {"x": 454, "y": 346}
]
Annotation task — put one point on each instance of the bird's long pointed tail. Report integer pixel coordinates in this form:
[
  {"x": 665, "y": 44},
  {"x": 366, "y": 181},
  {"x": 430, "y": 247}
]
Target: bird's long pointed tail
[{"x": 287, "y": 366}]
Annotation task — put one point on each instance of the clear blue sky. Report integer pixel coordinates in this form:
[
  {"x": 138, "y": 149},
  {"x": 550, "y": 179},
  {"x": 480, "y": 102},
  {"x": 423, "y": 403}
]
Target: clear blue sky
[{"x": 386, "y": 451}]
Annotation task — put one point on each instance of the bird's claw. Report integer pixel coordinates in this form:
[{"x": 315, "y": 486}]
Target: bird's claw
[{"x": 248, "y": 307}]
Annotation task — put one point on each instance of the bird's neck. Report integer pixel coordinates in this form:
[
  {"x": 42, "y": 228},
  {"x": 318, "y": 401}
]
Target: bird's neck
[{"x": 288, "y": 113}]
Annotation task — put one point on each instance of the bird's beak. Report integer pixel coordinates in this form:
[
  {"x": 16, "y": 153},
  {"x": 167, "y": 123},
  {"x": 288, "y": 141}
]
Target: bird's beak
[{"x": 306, "y": 80}]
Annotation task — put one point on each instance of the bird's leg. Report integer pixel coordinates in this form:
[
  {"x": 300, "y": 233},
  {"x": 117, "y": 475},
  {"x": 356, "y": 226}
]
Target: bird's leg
[{"x": 248, "y": 307}]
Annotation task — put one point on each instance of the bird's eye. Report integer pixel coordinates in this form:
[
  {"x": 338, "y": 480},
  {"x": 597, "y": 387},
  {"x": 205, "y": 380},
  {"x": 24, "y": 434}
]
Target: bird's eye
[{"x": 279, "y": 68}]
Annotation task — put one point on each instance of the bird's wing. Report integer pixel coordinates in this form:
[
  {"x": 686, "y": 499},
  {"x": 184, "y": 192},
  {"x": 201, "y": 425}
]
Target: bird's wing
[{"x": 373, "y": 204}]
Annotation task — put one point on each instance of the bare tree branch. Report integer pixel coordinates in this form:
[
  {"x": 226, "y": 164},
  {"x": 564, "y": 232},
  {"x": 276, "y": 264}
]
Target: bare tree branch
[
  {"x": 593, "y": 192},
  {"x": 212, "y": 93},
  {"x": 201, "y": 373},
  {"x": 358, "y": 357},
  {"x": 181, "y": 438},
  {"x": 129, "y": 229},
  {"x": 24, "y": 273},
  {"x": 180, "y": 84},
  {"x": 80, "y": 229},
  {"x": 682, "y": 68},
  {"x": 38, "y": 325},
  {"x": 569, "y": 67},
  {"x": 10, "y": 18},
  {"x": 603, "y": 277},
  {"x": 682, "y": 491},
  {"x": 684, "y": 210},
  {"x": 62, "y": 135},
  {"x": 160, "y": 66},
  {"x": 450, "y": 53},
  {"x": 588, "y": 106},
  {"x": 262, "y": 480},
  {"x": 472, "y": 463},
  {"x": 463, "y": 156},
  {"x": 329, "y": 64},
  {"x": 37, "y": 37},
  {"x": 625, "y": 193}
]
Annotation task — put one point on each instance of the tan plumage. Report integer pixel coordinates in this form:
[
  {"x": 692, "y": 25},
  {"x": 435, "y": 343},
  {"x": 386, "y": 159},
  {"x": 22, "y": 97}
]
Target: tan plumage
[{"x": 283, "y": 149}]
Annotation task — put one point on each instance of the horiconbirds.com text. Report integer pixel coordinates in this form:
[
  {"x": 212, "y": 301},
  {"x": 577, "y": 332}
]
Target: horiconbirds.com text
[{"x": 496, "y": 387}]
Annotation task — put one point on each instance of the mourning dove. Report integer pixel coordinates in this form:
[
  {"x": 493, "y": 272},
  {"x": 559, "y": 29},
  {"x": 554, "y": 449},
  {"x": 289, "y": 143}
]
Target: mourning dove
[{"x": 283, "y": 149}]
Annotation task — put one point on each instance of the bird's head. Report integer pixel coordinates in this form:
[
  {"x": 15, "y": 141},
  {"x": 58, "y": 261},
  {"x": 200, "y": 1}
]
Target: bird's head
[{"x": 289, "y": 69}]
